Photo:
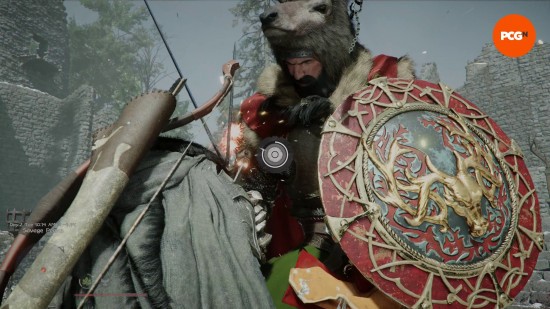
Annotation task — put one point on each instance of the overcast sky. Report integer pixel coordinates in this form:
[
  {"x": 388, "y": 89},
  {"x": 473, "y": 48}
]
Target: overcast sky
[{"x": 449, "y": 33}]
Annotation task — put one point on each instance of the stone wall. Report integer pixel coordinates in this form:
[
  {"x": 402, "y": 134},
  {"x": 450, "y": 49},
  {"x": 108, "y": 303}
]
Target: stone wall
[
  {"x": 515, "y": 92},
  {"x": 34, "y": 45},
  {"x": 43, "y": 136},
  {"x": 45, "y": 133},
  {"x": 43, "y": 139},
  {"x": 429, "y": 73}
]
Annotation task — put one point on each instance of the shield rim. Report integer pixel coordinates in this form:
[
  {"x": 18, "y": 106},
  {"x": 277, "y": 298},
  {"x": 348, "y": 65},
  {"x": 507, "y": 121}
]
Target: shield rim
[{"x": 527, "y": 199}]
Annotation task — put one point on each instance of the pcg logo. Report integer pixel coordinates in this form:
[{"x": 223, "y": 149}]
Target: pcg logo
[{"x": 514, "y": 35}]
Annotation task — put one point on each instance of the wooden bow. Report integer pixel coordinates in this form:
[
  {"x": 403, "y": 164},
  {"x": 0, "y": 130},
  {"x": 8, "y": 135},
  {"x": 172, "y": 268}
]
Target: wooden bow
[{"x": 117, "y": 150}]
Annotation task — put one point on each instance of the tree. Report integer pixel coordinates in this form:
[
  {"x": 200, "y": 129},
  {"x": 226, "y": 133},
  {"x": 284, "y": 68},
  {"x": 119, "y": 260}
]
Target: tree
[
  {"x": 117, "y": 54},
  {"x": 149, "y": 69},
  {"x": 112, "y": 53},
  {"x": 253, "y": 53},
  {"x": 252, "y": 49}
]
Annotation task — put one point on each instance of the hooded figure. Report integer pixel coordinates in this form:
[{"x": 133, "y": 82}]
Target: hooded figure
[{"x": 195, "y": 248}]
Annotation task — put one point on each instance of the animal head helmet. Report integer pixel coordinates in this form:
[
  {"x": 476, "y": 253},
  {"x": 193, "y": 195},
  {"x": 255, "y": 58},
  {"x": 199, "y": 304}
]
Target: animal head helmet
[{"x": 321, "y": 26}]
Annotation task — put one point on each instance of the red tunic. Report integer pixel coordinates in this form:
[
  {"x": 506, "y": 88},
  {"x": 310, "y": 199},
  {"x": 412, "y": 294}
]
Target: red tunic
[
  {"x": 265, "y": 124},
  {"x": 287, "y": 232},
  {"x": 273, "y": 123}
]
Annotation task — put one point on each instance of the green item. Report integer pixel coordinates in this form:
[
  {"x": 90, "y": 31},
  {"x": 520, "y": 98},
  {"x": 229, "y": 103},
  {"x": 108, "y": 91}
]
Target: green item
[{"x": 277, "y": 271}]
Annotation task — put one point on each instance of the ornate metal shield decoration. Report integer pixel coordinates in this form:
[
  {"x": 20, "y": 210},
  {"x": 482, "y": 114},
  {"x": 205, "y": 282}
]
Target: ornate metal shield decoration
[{"x": 429, "y": 199}]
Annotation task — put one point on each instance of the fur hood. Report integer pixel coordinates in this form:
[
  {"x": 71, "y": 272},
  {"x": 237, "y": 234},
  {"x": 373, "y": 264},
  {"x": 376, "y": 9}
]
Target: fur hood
[
  {"x": 276, "y": 84},
  {"x": 273, "y": 82}
]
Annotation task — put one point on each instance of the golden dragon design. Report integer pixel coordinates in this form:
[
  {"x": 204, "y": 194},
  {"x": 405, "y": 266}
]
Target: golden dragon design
[{"x": 463, "y": 192}]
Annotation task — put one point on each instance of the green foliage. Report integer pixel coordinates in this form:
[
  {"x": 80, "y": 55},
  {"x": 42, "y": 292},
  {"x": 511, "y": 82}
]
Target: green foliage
[
  {"x": 117, "y": 54},
  {"x": 253, "y": 53},
  {"x": 86, "y": 282},
  {"x": 252, "y": 49},
  {"x": 108, "y": 53}
]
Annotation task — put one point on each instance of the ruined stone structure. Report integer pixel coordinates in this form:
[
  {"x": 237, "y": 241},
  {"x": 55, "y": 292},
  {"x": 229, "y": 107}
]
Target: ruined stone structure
[
  {"x": 429, "y": 73},
  {"x": 515, "y": 92},
  {"x": 45, "y": 132},
  {"x": 34, "y": 45}
]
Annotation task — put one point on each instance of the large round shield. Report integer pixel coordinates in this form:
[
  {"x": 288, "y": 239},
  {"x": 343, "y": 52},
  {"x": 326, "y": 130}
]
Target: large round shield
[{"x": 427, "y": 196}]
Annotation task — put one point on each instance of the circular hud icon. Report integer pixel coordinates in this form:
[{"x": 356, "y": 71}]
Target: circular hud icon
[
  {"x": 275, "y": 155},
  {"x": 429, "y": 199},
  {"x": 86, "y": 282}
]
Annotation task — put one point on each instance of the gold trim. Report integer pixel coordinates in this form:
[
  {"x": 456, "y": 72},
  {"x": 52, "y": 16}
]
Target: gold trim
[
  {"x": 478, "y": 123},
  {"x": 387, "y": 233}
]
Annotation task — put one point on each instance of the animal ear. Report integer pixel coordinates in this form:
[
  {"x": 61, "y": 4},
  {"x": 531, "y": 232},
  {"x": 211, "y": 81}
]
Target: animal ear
[{"x": 350, "y": 3}]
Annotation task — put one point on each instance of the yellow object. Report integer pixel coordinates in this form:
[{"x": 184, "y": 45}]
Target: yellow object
[{"x": 314, "y": 285}]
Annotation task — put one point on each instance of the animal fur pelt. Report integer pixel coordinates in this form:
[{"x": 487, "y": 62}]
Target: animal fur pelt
[
  {"x": 323, "y": 27},
  {"x": 275, "y": 83}
]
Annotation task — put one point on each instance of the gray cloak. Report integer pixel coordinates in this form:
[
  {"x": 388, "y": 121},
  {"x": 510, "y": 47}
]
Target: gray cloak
[{"x": 195, "y": 247}]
